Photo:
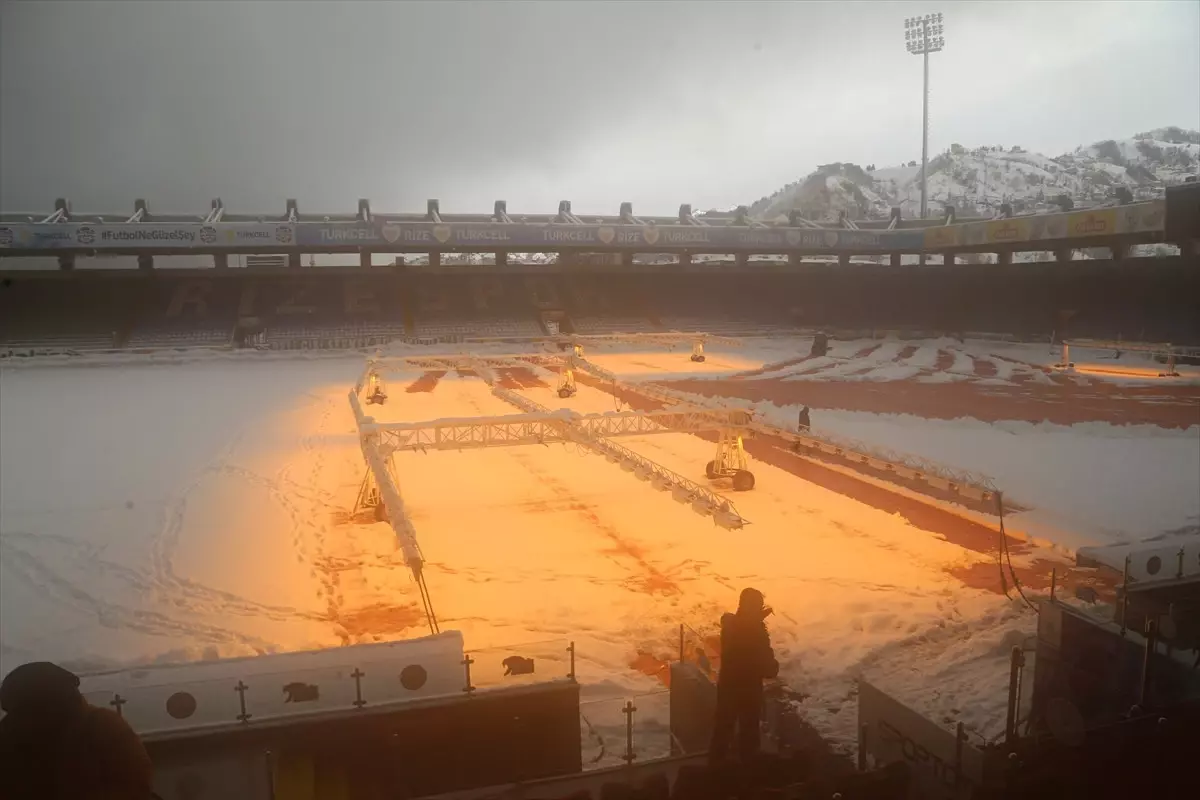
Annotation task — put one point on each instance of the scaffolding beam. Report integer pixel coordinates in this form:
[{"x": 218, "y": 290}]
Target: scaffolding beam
[
  {"x": 387, "y": 487},
  {"x": 703, "y": 501},
  {"x": 442, "y": 362},
  {"x": 547, "y": 427},
  {"x": 666, "y": 337}
]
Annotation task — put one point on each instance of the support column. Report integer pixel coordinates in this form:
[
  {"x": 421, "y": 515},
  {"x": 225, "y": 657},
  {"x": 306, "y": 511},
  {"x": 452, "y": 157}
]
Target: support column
[
  {"x": 741, "y": 260},
  {"x": 843, "y": 259},
  {"x": 294, "y": 259},
  {"x": 66, "y": 262},
  {"x": 501, "y": 258},
  {"x": 895, "y": 259},
  {"x": 1063, "y": 254},
  {"x": 685, "y": 259},
  {"x": 364, "y": 259},
  {"x": 1004, "y": 257},
  {"x": 221, "y": 260},
  {"x": 794, "y": 259},
  {"x": 145, "y": 262},
  {"x": 1119, "y": 252},
  {"x": 435, "y": 259}
]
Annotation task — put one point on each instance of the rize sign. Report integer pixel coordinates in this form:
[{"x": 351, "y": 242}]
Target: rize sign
[
  {"x": 941, "y": 767},
  {"x": 147, "y": 236}
]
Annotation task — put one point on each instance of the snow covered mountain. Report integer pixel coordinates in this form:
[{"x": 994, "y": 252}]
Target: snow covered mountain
[{"x": 976, "y": 181}]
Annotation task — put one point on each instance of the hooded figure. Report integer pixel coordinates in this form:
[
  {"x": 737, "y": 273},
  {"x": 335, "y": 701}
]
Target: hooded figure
[
  {"x": 54, "y": 745},
  {"x": 746, "y": 661}
]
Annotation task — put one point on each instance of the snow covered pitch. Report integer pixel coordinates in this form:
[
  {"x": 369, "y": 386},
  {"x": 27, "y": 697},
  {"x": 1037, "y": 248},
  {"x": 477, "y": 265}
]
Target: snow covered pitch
[{"x": 166, "y": 512}]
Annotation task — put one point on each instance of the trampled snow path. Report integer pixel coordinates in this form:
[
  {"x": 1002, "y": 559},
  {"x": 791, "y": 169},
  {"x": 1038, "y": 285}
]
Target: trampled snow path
[{"x": 140, "y": 530}]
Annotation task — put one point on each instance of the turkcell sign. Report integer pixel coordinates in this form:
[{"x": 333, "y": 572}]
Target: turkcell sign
[
  {"x": 240, "y": 234},
  {"x": 351, "y": 234},
  {"x": 36, "y": 237}
]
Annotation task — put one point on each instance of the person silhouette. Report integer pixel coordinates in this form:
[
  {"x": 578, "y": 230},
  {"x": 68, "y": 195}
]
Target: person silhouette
[
  {"x": 55, "y": 746},
  {"x": 746, "y": 661}
]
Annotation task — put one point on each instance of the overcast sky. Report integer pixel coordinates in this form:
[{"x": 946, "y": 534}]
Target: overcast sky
[{"x": 703, "y": 102}]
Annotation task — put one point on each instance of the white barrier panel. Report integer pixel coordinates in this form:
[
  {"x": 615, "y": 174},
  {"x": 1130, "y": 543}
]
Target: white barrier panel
[
  {"x": 216, "y": 694},
  {"x": 1149, "y": 562},
  {"x": 890, "y": 732}
]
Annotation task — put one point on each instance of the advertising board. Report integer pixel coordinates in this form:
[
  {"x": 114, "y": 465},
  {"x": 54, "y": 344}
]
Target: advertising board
[
  {"x": 246, "y": 234},
  {"x": 942, "y": 767},
  {"x": 84, "y": 236}
]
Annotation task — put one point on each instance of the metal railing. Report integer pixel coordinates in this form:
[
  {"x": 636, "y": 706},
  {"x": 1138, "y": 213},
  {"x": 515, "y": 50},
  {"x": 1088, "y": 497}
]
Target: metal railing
[
  {"x": 625, "y": 729},
  {"x": 978, "y": 483},
  {"x": 974, "y": 484}
]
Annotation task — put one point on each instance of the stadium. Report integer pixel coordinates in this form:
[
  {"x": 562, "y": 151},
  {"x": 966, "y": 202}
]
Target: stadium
[{"x": 248, "y": 451}]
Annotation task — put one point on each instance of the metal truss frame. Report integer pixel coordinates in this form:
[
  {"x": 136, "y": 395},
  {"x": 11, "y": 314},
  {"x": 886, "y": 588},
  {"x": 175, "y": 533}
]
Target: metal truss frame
[
  {"x": 546, "y": 427},
  {"x": 447, "y": 362},
  {"x": 702, "y": 499},
  {"x": 1168, "y": 352},
  {"x": 973, "y": 485},
  {"x": 665, "y": 337},
  {"x": 539, "y": 426}
]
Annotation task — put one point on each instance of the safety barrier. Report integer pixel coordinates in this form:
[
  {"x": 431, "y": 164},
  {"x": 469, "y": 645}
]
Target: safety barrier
[{"x": 252, "y": 691}]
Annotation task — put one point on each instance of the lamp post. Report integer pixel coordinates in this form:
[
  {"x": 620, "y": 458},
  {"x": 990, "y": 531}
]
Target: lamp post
[{"x": 923, "y": 35}]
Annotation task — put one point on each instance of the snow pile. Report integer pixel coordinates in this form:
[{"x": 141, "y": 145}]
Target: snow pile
[{"x": 976, "y": 181}]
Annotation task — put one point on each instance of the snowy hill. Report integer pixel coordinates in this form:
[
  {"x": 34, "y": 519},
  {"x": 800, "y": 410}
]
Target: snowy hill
[{"x": 976, "y": 181}]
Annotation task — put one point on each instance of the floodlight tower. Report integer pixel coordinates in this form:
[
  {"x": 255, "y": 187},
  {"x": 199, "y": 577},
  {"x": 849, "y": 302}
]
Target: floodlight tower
[{"x": 923, "y": 35}]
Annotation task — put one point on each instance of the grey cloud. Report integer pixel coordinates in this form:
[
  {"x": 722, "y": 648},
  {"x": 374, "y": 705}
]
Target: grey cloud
[{"x": 658, "y": 103}]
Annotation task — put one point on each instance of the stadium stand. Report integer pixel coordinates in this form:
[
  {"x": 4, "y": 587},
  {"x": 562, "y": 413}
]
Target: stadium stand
[
  {"x": 330, "y": 337},
  {"x": 477, "y": 305},
  {"x": 486, "y": 327},
  {"x": 182, "y": 313},
  {"x": 60, "y": 315},
  {"x": 597, "y": 325},
  {"x": 1142, "y": 299}
]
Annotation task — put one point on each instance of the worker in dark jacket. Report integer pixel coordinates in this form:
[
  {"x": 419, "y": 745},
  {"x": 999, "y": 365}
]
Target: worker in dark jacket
[
  {"x": 820, "y": 346},
  {"x": 746, "y": 661},
  {"x": 54, "y": 745},
  {"x": 803, "y": 425}
]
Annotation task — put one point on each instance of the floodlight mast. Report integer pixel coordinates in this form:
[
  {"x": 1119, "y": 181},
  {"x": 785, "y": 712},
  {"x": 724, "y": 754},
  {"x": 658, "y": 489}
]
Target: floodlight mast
[{"x": 923, "y": 35}]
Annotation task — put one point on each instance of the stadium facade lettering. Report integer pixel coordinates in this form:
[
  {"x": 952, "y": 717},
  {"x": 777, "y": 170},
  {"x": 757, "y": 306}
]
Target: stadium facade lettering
[{"x": 421, "y": 235}]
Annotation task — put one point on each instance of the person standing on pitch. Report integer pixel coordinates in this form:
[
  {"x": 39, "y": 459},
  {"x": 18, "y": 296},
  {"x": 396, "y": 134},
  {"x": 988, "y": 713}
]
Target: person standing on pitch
[
  {"x": 803, "y": 424},
  {"x": 746, "y": 661}
]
